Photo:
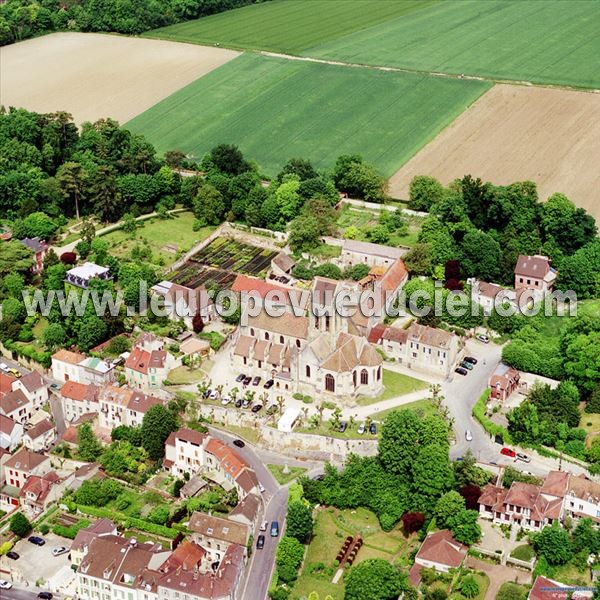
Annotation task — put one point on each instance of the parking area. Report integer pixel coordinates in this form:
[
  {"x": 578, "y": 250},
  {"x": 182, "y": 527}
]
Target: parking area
[{"x": 37, "y": 563}]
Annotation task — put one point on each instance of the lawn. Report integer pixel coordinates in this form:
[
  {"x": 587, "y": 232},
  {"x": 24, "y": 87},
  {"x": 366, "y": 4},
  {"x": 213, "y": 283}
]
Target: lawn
[
  {"x": 159, "y": 233},
  {"x": 184, "y": 375},
  {"x": 423, "y": 407},
  {"x": 518, "y": 592},
  {"x": 332, "y": 526},
  {"x": 523, "y": 552},
  {"x": 283, "y": 478},
  {"x": 395, "y": 384},
  {"x": 591, "y": 423},
  {"x": 286, "y": 26},
  {"x": 275, "y": 109},
  {"x": 543, "y": 42}
]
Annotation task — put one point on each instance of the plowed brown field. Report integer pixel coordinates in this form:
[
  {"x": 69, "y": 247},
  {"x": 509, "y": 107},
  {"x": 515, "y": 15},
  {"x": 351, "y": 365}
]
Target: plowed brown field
[
  {"x": 513, "y": 133},
  {"x": 94, "y": 75}
]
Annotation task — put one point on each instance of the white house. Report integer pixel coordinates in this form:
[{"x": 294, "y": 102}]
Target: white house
[
  {"x": 40, "y": 437},
  {"x": 65, "y": 365},
  {"x": 11, "y": 433}
]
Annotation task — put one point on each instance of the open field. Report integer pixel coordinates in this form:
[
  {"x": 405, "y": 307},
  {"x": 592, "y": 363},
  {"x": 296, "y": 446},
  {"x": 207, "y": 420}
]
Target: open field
[
  {"x": 93, "y": 75},
  {"x": 395, "y": 384},
  {"x": 286, "y": 25},
  {"x": 276, "y": 109},
  {"x": 553, "y": 41},
  {"x": 158, "y": 234},
  {"x": 516, "y": 133}
]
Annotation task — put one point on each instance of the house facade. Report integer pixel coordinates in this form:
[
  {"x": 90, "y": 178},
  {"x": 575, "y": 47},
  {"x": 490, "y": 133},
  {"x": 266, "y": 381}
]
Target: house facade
[
  {"x": 40, "y": 437},
  {"x": 65, "y": 365},
  {"x": 184, "y": 303},
  {"x": 148, "y": 364},
  {"x": 503, "y": 382},
  {"x": 78, "y": 399},
  {"x": 39, "y": 248},
  {"x": 535, "y": 273},
  {"x": 11, "y": 433},
  {"x": 355, "y": 252}
]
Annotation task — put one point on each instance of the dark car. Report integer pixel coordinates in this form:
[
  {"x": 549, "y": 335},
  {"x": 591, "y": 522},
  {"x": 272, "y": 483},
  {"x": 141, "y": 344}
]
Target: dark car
[
  {"x": 268, "y": 384},
  {"x": 38, "y": 541},
  {"x": 471, "y": 359},
  {"x": 342, "y": 427},
  {"x": 274, "y": 529},
  {"x": 45, "y": 596},
  {"x": 207, "y": 393},
  {"x": 238, "y": 443},
  {"x": 238, "y": 403},
  {"x": 466, "y": 365},
  {"x": 257, "y": 408},
  {"x": 256, "y": 380},
  {"x": 460, "y": 371},
  {"x": 373, "y": 429},
  {"x": 12, "y": 555},
  {"x": 240, "y": 377},
  {"x": 260, "y": 542},
  {"x": 247, "y": 380}
]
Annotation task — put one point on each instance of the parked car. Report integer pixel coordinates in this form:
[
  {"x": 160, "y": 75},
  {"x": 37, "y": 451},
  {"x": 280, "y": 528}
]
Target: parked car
[
  {"x": 373, "y": 429},
  {"x": 45, "y": 596},
  {"x": 256, "y": 380},
  {"x": 246, "y": 403},
  {"x": 264, "y": 525},
  {"x": 508, "y": 452},
  {"x": 268, "y": 384},
  {"x": 523, "y": 457},
  {"x": 207, "y": 393},
  {"x": 460, "y": 371},
  {"x": 342, "y": 427},
  {"x": 261, "y": 488},
  {"x": 239, "y": 443},
  {"x": 468, "y": 435},
  {"x": 60, "y": 550},
  {"x": 240, "y": 377},
  {"x": 54, "y": 386},
  {"x": 247, "y": 380},
  {"x": 5, "y": 585},
  {"x": 257, "y": 408},
  {"x": 12, "y": 555},
  {"x": 238, "y": 403},
  {"x": 274, "y": 529},
  {"x": 225, "y": 401},
  {"x": 260, "y": 542},
  {"x": 361, "y": 429},
  {"x": 38, "y": 541},
  {"x": 466, "y": 365},
  {"x": 15, "y": 373},
  {"x": 4, "y": 367},
  {"x": 214, "y": 395},
  {"x": 483, "y": 338},
  {"x": 471, "y": 359}
]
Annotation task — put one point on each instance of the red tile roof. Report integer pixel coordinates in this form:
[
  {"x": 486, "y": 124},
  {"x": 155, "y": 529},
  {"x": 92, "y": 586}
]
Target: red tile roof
[
  {"x": 24, "y": 460},
  {"x": 140, "y": 360},
  {"x": 67, "y": 356},
  {"x": 79, "y": 391},
  {"x": 441, "y": 548}
]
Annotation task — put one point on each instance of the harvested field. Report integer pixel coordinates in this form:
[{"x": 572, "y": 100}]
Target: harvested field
[
  {"x": 515, "y": 133},
  {"x": 92, "y": 75}
]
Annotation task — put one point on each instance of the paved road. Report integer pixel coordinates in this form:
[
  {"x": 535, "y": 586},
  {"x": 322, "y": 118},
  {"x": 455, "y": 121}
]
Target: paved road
[
  {"x": 260, "y": 568},
  {"x": 18, "y": 594}
]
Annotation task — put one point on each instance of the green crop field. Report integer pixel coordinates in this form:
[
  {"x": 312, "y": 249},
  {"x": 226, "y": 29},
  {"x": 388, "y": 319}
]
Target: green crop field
[
  {"x": 276, "y": 109},
  {"x": 287, "y": 25},
  {"x": 543, "y": 41}
]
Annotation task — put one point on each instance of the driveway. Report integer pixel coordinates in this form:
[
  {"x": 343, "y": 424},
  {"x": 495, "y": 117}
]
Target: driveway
[
  {"x": 498, "y": 575},
  {"x": 37, "y": 562}
]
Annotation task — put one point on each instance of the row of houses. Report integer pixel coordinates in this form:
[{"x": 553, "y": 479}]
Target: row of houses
[{"x": 532, "y": 507}]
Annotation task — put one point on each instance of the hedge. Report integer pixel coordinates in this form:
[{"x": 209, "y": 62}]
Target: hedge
[
  {"x": 487, "y": 424},
  {"x": 71, "y": 531}
]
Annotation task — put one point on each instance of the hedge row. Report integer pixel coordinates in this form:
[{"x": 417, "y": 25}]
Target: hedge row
[
  {"x": 71, "y": 531},
  {"x": 485, "y": 422}
]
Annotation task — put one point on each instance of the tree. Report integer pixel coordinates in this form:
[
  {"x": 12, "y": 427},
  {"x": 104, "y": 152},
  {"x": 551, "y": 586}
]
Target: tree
[
  {"x": 209, "y": 206},
  {"x": 374, "y": 579},
  {"x": 480, "y": 255},
  {"x": 13, "y": 285},
  {"x": 466, "y": 471},
  {"x": 88, "y": 447},
  {"x": 412, "y": 522},
  {"x": 54, "y": 335},
  {"x": 229, "y": 159},
  {"x": 37, "y": 224},
  {"x": 298, "y": 167},
  {"x": 424, "y": 192},
  {"x": 20, "y": 525},
  {"x": 447, "y": 507},
  {"x": 288, "y": 198},
  {"x": 432, "y": 473},
  {"x": 299, "y": 521},
  {"x": 580, "y": 272},
  {"x": 586, "y": 537},
  {"x": 359, "y": 179},
  {"x": 290, "y": 553},
  {"x": 197, "y": 323},
  {"x": 105, "y": 196},
  {"x": 418, "y": 259},
  {"x": 465, "y": 528},
  {"x": 304, "y": 233},
  {"x": 157, "y": 425},
  {"x": 469, "y": 586},
  {"x": 554, "y": 544},
  {"x": 398, "y": 446},
  {"x": 511, "y": 591},
  {"x": 71, "y": 179}
]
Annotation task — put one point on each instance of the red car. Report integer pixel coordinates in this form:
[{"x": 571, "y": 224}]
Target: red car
[{"x": 508, "y": 452}]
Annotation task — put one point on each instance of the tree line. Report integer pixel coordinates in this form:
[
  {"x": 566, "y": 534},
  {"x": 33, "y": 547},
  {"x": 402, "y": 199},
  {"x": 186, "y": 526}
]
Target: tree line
[{"x": 22, "y": 19}]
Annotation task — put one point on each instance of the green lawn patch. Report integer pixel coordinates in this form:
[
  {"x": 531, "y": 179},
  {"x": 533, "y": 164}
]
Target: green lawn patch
[
  {"x": 159, "y": 234},
  {"x": 277, "y": 108},
  {"x": 516, "y": 591},
  {"x": 395, "y": 384},
  {"x": 326, "y": 251},
  {"x": 247, "y": 433},
  {"x": 184, "y": 375},
  {"x": 591, "y": 423},
  {"x": 527, "y": 40},
  {"x": 523, "y": 552},
  {"x": 283, "y": 478},
  {"x": 423, "y": 407},
  {"x": 286, "y": 26}
]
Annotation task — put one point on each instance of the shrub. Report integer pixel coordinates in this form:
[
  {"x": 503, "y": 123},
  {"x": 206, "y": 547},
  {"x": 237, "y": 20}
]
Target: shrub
[
  {"x": 71, "y": 531},
  {"x": 5, "y": 547},
  {"x": 44, "y": 528},
  {"x": 68, "y": 258},
  {"x": 20, "y": 525}
]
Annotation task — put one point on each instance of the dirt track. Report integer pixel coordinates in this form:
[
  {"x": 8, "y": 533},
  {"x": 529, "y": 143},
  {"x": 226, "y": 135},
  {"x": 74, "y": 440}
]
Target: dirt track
[
  {"x": 513, "y": 133},
  {"x": 94, "y": 75}
]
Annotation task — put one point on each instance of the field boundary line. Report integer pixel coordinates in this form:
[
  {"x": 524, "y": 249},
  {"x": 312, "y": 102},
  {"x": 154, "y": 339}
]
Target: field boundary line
[{"x": 340, "y": 63}]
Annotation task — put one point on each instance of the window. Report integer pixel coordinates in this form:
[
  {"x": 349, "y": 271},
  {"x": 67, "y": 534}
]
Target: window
[
  {"x": 281, "y": 339},
  {"x": 528, "y": 281},
  {"x": 364, "y": 377},
  {"x": 298, "y": 343},
  {"x": 259, "y": 364},
  {"x": 378, "y": 373},
  {"x": 266, "y": 335},
  {"x": 329, "y": 383},
  {"x": 252, "y": 331},
  {"x": 327, "y": 322},
  {"x": 308, "y": 371},
  {"x": 354, "y": 378}
]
